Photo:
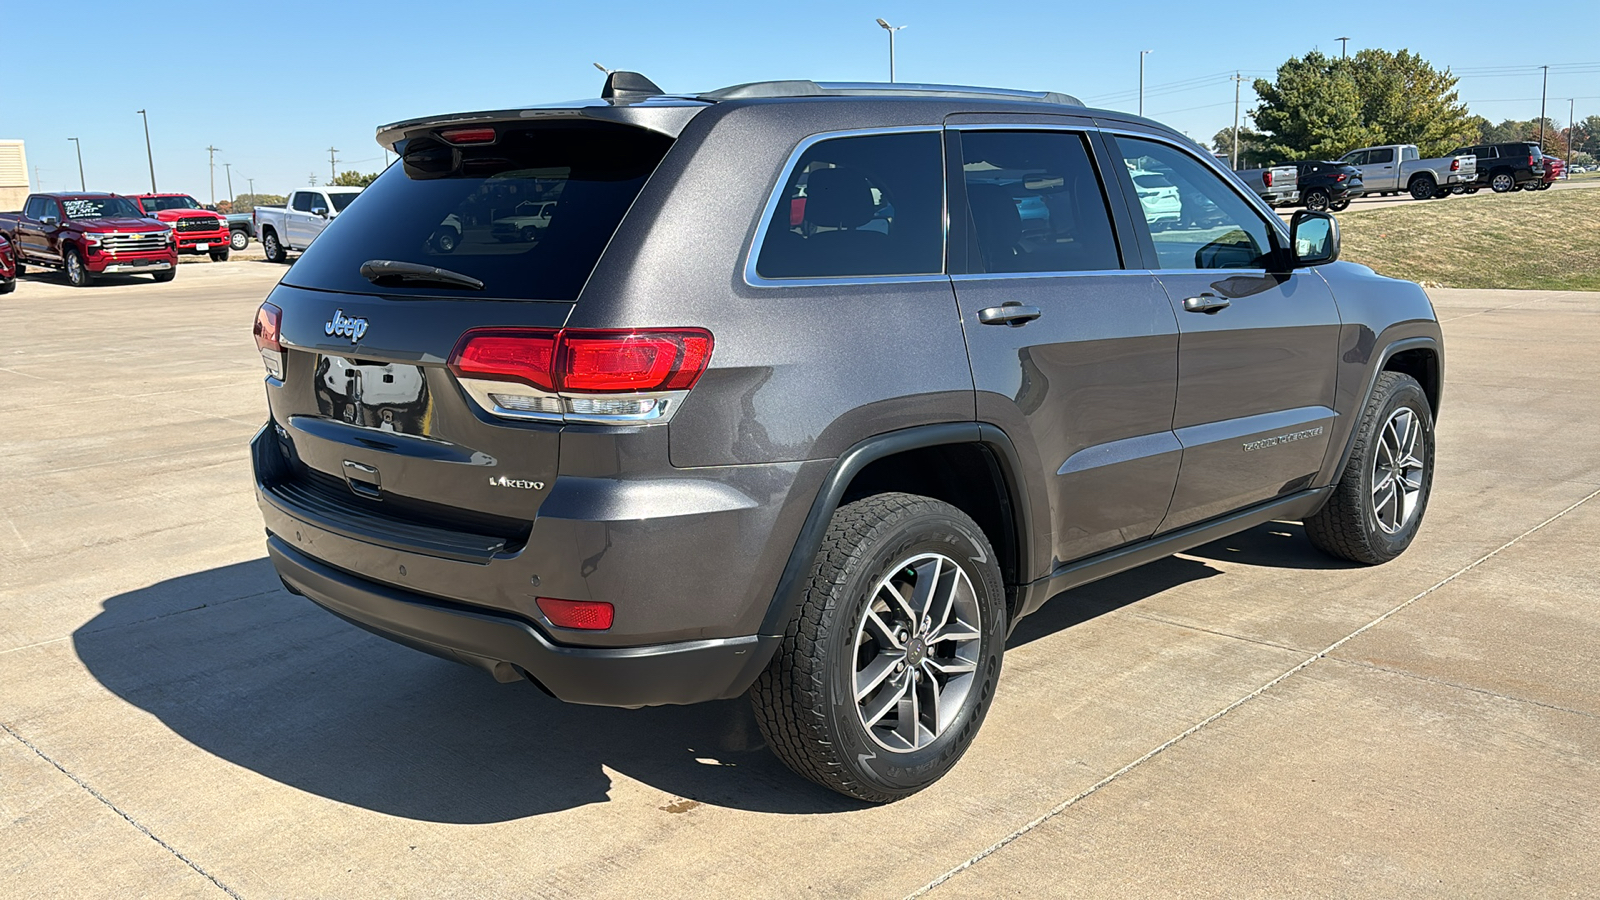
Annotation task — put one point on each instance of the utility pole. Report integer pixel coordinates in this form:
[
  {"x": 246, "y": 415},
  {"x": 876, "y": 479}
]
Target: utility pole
[
  {"x": 38, "y": 186},
  {"x": 211, "y": 156},
  {"x": 147, "y": 153},
  {"x": 1542, "y": 91},
  {"x": 891, "y": 29},
  {"x": 83, "y": 187},
  {"x": 332, "y": 175},
  {"x": 313, "y": 179},
  {"x": 252, "y": 183},
  {"x": 1237, "y": 78},
  {"x": 1142, "y": 55},
  {"x": 1572, "y": 127},
  {"x": 1344, "y": 47},
  {"x": 227, "y": 169}
]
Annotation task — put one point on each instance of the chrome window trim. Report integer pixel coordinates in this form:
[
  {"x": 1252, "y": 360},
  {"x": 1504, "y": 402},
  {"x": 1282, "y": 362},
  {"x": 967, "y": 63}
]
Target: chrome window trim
[
  {"x": 1079, "y": 273},
  {"x": 1228, "y": 178},
  {"x": 775, "y": 197}
]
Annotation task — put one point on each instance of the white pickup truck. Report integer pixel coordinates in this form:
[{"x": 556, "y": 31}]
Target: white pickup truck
[
  {"x": 1397, "y": 168},
  {"x": 281, "y": 229}
]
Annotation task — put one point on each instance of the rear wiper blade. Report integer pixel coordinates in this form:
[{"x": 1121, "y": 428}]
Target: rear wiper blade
[{"x": 392, "y": 271}]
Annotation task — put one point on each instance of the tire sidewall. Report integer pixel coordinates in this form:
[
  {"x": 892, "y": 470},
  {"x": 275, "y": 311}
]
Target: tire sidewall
[
  {"x": 905, "y": 773},
  {"x": 77, "y": 275},
  {"x": 238, "y": 240},
  {"x": 1388, "y": 546}
]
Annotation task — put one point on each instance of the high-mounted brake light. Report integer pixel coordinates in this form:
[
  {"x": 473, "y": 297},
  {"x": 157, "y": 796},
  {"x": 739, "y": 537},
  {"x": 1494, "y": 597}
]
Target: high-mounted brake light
[
  {"x": 469, "y": 135},
  {"x": 589, "y": 615},
  {"x": 269, "y": 321},
  {"x": 581, "y": 374}
]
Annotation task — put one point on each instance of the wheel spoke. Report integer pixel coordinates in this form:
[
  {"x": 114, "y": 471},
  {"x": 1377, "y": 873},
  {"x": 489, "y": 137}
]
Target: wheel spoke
[
  {"x": 944, "y": 599},
  {"x": 947, "y": 667},
  {"x": 874, "y": 711},
  {"x": 908, "y": 712},
  {"x": 954, "y": 631},
  {"x": 880, "y": 631},
  {"x": 899, "y": 600},
  {"x": 930, "y": 685},
  {"x": 868, "y": 679},
  {"x": 922, "y": 596}
]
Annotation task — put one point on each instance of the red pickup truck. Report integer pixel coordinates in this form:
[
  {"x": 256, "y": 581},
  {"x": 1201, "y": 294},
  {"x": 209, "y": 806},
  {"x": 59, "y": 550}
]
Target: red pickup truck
[
  {"x": 89, "y": 234},
  {"x": 198, "y": 229}
]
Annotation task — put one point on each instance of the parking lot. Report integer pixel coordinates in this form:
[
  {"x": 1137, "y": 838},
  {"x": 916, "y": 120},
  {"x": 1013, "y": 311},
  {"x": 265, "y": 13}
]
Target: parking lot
[{"x": 1251, "y": 718}]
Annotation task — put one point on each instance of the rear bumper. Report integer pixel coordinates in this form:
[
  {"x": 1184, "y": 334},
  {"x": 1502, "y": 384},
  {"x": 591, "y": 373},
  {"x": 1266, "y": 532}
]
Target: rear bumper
[{"x": 674, "y": 673}]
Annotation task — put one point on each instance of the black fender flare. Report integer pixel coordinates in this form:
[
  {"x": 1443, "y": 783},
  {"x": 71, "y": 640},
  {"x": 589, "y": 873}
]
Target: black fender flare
[
  {"x": 791, "y": 584},
  {"x": 1393, "y": 347}
]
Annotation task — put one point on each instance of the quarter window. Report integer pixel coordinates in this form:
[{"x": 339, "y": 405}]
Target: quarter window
[
  {"x": 1035, "y": 204},
  {"x": 1196, "y": 220},
  {"x": 855, "y": 206}
]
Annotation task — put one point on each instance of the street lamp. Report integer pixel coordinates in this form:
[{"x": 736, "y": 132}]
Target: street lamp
[
  {"x": 147, "y": 152},
  {"x": 1142, "y": 55},
  {"x": 891, "y": 29},
  {"x": 81, "y": 185},
  {"x": 1344, "y": 47}
]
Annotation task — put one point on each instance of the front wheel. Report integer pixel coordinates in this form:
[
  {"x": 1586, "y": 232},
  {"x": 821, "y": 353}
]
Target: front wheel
[
  {"x": 1377, "y": 504},
  {"x": 165, "y": 275},
  {"x": 884, "y": 675},
  {"x": 238, "y": 240},
  {"x": 220, "y": 255},
  {"x": 78, "y": 274}
]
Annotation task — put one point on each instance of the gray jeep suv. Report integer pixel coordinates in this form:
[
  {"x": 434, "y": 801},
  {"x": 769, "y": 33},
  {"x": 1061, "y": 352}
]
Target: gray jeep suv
[{"x": 812, "y": 391}]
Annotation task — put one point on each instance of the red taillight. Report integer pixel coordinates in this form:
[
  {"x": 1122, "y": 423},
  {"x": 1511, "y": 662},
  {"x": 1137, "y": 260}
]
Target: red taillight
[
  {"x": 589, "y": 615},
  {"x": 1340, "y": 177},
  {"x": 585, "y": 361},
  {"x": 268, "y": 320},
  {"x": 1530, "y": 160},
  {"x": 1455, "y": 165},
  {"x": 469, "y": 135},
  {"x": 1267, "y": 176},
  {"x": 526, "y": 355}
]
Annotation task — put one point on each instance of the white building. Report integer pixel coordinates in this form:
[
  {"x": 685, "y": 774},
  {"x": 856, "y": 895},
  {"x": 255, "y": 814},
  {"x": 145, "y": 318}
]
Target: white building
[{"x": 13, "y": 175}]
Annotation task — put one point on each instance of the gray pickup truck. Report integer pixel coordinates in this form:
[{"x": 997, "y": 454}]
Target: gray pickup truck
[
  {"x": 1399, "y": 168},
  {"x": 811, "y": 392}
]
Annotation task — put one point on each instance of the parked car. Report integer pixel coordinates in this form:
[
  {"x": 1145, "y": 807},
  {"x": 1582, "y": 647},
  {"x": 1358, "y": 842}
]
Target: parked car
[
  {"x": 241, "y": 228},
  {"x": 90, "y": 234},
  {"x": 292, "y": 228},
  {"x": 1398, "y": 168},
  {"x": 1507, "y": 167},
  {"x": 1277, "y": 185},
  {"x": 1158, "y": 198},
  {"x": 684, "y": 447},
  {"x": 1553, "y": 168},
  {"x": 525, "y": 223},
  {"x": 8, "y": 267},
  {"x": 197, "y": 229},
  {"x": 1328, "y": 185}
]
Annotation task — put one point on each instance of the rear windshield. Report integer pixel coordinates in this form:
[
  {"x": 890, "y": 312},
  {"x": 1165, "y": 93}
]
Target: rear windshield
[{"x": 466, "y": 209}]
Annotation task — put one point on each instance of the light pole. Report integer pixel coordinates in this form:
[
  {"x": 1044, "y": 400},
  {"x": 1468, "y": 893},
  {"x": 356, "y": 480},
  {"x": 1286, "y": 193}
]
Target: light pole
[
  {"x": 211, "y": 160},
  {"x": 891, "y": 29},
  {"x": 1542, "y": 91},
  {"x": 1572, "y": 126},
  {"x": 1344, "y": 47},
  {"x": 147, "y": 153},
  {"x": 1142, "y": 55},
  {"x": 83, "y": 187},
  {"x": 252, "y": 183},
  {"x": 1238, "y": 77},
  {"x": 332, "y": 175}
]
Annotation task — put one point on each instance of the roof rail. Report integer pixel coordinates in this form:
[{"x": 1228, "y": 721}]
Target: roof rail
[{"x": 774, "y": 89}]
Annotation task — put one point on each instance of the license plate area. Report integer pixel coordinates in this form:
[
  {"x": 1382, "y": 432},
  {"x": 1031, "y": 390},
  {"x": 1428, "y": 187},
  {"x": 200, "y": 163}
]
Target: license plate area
[{"x": 372, "y": 394}]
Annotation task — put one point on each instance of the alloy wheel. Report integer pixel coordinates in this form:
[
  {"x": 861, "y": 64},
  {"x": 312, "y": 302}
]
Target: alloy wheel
[
  {"x": 74, "y": 268},
  {"x": 1502, "y": 183},
  {"x": 1397, "y": 470},
  {"x": 916, "y": 652}
]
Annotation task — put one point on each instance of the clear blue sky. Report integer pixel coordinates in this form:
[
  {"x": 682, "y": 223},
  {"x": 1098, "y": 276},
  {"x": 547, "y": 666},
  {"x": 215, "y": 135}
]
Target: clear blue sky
[{"x": 275, "y": 83}]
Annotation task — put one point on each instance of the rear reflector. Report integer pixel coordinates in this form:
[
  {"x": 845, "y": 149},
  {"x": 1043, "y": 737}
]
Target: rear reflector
[
  {"x": 589, "y": 615},
  {"x": 469, "y": 135}
]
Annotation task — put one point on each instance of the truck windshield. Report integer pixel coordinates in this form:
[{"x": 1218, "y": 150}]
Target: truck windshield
[
  {"x": 156, "y": 204},
  {"x": 466, "y": 209},
  {"x": 100, "y": 208}
]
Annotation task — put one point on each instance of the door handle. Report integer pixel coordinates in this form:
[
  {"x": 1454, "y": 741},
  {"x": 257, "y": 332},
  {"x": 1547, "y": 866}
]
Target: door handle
[
  {"x": 1205, "y": 303},
  {"x": 1010, "y": 313}
]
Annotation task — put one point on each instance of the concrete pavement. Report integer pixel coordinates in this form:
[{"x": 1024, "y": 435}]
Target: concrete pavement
[{"x": 1248, "y": 719}]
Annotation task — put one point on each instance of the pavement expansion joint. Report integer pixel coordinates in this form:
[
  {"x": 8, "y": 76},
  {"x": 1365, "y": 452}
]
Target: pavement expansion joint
[
  {"x": 114, "y": 808},
  {"x": 1463, "y": 687},
  {"x": 1192, "y": 627},
  {"x": 1066, "y": 804}
]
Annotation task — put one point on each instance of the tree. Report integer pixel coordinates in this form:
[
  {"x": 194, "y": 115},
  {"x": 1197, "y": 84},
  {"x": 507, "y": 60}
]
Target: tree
[
  {"x": 1322, "y": 106},
  {"x": 1252, "y": 147},
  {"x": 1588, "y": 139},
  {"x": 353, "y": 178},
  {"x": 245, "y": 202}
]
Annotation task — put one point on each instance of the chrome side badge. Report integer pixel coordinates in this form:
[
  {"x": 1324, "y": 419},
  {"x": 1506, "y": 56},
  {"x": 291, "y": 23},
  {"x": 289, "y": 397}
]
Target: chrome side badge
[{"x": 505, "y": 482}]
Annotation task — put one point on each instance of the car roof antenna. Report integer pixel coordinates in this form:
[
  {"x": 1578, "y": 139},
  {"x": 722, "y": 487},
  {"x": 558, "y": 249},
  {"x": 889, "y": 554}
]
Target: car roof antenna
[{"x": 628, "y": 86}]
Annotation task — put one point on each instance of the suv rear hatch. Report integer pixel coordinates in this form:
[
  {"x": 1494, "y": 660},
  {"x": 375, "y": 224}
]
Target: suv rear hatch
[{"x": 376, "y": 436}]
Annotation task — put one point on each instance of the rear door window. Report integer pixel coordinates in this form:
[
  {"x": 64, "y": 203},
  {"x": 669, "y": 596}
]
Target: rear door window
[
  {"x": 465, "y": 209},
  {"x": 856, "y": 206},
  {"x": 1035, "y": 203},
  {"x": 1380, "y": 156}
]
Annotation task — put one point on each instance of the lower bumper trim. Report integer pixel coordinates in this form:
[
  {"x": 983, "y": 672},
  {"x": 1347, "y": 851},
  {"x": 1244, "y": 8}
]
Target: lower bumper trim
[{"x": 661, "y": 674}]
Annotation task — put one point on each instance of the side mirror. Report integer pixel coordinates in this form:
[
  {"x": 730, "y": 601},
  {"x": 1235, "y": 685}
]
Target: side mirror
[
  {"x": 48, "y": 221},
  {"x": 1313, "y": 238},
  {"x": 319, "y": 211}
]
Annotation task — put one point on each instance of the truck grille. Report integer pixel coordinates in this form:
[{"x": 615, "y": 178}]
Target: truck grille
[
  {"x": 197, "y": 223},
  {"x": 134, "y": 243}
]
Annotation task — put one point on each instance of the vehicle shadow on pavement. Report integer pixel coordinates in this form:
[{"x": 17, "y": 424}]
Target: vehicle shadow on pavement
[
  {"x": 276, "y": 685},
  {"x": 1275, "y": 545}
]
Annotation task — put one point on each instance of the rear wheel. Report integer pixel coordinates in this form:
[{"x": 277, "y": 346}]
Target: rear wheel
[
  {"x": 884, "y": 675},
  {"x": 1317, "y": 200},
  {"x": 1422, "y": 187},
  {"x": 1502, "y": 182},
  {"x": 1545, "y": 185},
  {"x": 1378, "y": 503},
  {"x": 238, "y": 240},
  {"x": 21, "y": 269},
  {"x": 1339, "y": 205},
  {"x": 8, "y": 285},
  {"x": 78, "y": 273},
  {"x": 271, "y": 246},
  {"x": 220, "y": 255}
]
